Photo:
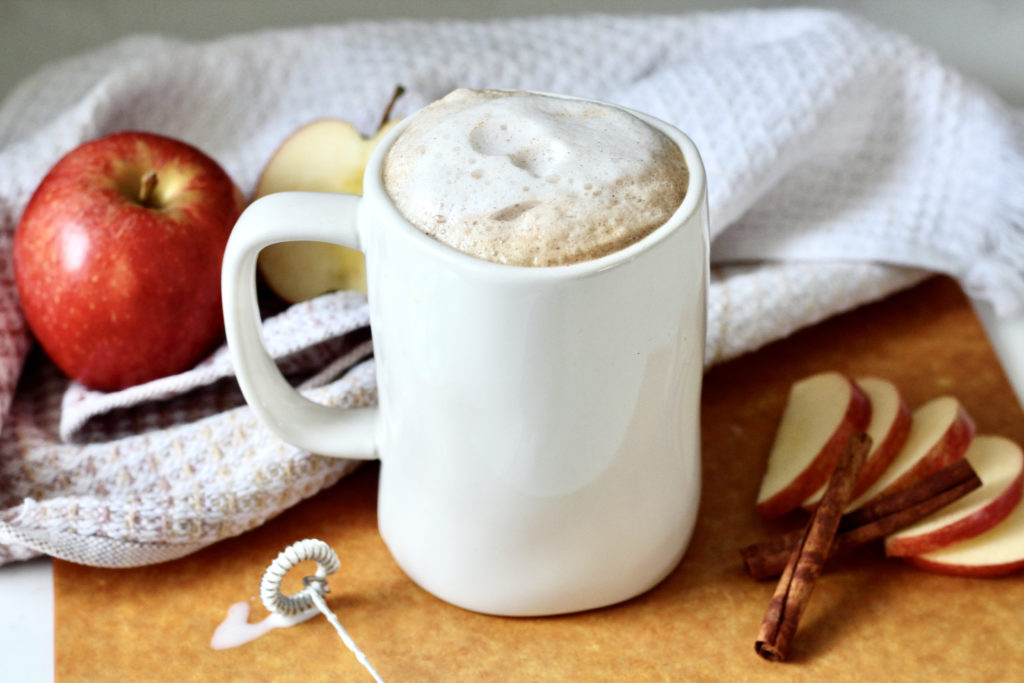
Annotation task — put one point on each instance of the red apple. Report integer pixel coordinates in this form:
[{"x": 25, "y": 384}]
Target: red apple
[
  {"x": 999, "y": 463},
  {"x": 821, "y": 413},
  {"x": 117, "y": 258}
]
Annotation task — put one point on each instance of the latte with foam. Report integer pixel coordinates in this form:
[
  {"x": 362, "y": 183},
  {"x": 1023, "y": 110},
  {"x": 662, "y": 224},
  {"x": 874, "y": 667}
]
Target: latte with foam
[{"x": 533, "y": 180}]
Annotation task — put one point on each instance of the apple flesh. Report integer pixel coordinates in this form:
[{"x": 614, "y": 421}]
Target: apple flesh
[
  {"x": 940, "y": 432},
  {"x": 888, "y": 429},
  {"x": 117, "y": 258},
  {"x": 328, "y": 155},
  {"x": 999, "y": 463},
  {"x": 821, "y": 413}
]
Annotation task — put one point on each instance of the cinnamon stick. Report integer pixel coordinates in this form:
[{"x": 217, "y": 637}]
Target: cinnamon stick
[
  {"x": 949, "y": 476},
  {"x": 875, "y": 520},
  {"x": 801, "y": 572}
]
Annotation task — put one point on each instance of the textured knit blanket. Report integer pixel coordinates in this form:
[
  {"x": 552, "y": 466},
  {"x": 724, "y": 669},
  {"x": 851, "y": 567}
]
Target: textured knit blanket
[{"x": 843, "y": 163}]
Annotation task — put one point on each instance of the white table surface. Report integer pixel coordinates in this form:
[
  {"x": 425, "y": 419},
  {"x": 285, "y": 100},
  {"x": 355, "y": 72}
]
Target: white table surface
[{"x": 982, "y": 39}]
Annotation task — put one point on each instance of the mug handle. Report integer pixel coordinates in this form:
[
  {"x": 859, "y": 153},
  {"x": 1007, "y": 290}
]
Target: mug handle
[{"x": 286, "y": 217}]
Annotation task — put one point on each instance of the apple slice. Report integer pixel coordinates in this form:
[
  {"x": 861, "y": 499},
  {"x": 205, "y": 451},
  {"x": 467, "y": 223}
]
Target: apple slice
[
  {"x": 999, "y": 463},
  {"x": 888, "y": 429},
  {"x": 996, "y": 552},
  {"x": 940, "y": 432},
  {"x": 822, "y": 412}
]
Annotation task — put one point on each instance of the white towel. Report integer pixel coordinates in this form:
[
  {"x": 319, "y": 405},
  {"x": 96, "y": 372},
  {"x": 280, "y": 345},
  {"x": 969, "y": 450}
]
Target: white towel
[{"x": 843, "y": 163}]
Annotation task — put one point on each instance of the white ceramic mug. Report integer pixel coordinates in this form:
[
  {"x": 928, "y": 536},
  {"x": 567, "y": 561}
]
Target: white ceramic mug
[{"x": 538, "y": 428}]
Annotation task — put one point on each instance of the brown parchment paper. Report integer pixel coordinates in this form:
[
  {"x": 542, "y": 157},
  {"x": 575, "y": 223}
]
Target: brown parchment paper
[{"x": 870, "y": 618}]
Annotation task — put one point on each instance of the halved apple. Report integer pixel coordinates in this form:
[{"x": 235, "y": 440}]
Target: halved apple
[
  {"x": 328, "y": 155},
  {"x": 888, "y": 429},
  {"x": 940, "y": 432},
  {"x": 999, "y": 463},
  {"x": 821, "y": 413}
]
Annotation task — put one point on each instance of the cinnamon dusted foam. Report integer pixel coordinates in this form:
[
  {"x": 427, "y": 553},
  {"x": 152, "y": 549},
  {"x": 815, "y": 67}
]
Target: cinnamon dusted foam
[{"x": 533, "y": 180}]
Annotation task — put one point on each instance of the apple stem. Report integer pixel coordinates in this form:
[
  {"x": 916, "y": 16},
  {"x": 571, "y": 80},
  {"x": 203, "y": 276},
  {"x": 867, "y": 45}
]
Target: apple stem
[
  {"x": 399, "y": 90},
  {"x": 146, "y": 187}
]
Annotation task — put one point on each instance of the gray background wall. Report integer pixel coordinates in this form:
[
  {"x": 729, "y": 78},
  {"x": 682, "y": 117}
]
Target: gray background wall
[{"x": 982, "y": 38}]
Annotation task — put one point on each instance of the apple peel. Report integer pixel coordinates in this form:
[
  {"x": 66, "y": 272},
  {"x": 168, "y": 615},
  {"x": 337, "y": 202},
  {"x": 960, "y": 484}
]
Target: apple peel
[{"x": 822, "y": 411}]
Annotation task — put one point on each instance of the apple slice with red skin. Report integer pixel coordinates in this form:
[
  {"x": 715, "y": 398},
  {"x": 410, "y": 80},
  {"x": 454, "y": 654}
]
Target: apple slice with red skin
[
  {"x": 888, "y": 429},
  {"x": 821, "y": 413},
  {"x": 940, "y": 432},
  {"x": 996, "y": 552},
  {"x": 999, "y": 463}
]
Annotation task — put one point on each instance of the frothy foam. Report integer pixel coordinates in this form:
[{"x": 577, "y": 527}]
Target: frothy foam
[{"x": 533, "y": 180}]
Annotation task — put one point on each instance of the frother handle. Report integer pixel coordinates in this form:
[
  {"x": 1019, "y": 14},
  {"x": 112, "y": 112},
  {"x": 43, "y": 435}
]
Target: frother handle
[{"x": 286, "y": 217}]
